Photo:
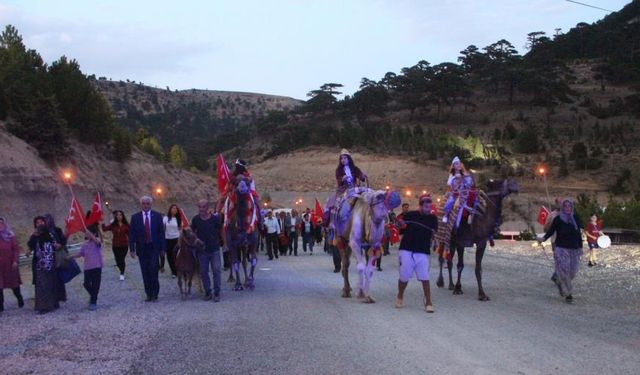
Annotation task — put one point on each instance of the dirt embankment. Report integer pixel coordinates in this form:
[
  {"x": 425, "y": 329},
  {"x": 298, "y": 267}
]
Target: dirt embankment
[{"x": 32, "y": 187}]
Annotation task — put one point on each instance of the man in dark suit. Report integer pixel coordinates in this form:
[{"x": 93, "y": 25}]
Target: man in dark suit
[{"x": 146, "y": 240}]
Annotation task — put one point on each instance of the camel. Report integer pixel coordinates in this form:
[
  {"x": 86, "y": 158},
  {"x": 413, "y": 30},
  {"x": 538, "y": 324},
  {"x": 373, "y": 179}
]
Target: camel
[
  {"x": 365, "y": 225},
  {"x": 482, "y": 227}
]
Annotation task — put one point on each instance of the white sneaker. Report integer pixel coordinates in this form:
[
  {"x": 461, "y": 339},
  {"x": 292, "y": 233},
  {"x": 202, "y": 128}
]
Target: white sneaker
[{"x": 121, "y": 277}]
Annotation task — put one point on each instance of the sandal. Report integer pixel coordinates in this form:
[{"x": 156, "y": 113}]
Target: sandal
[
  {"x": 427, "y": 308},
  {"x": 398, "y": 303}
]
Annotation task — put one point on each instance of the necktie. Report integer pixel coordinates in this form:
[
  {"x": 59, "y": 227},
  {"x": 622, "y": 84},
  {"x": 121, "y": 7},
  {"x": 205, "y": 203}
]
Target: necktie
[{"x": 147, "y": 228}]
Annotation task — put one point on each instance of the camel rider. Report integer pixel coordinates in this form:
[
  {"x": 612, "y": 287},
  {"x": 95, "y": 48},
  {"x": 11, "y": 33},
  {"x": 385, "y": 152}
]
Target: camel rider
[
  {"x": 459, "y": 181},
  {"x": 348, "y": 179},
  {"x": 240, "y": 168}
]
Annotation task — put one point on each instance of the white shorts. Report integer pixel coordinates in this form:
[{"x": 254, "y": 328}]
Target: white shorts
[{"x": 411, "y": 263}]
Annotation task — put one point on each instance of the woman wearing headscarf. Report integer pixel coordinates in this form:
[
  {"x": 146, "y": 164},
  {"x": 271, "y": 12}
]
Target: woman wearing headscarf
[
  {"x": 459, "y": 179},
  {"x": 43, "y": 244},
  {"x": 348, "y": 178},
  {"x": 9, "y": 256},
  {"x": 568, "y": 250}
]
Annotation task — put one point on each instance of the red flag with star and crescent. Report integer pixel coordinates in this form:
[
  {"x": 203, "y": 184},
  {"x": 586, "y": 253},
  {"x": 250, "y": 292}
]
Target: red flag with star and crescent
[
  {"x": 96, "y": 211},
  {"x": 184, "y": 222},
  {"x": 317, "y": 212},
  {"x": 75, "y": 219},
  {"x": 223, "y": 174},
  {"x": 543, "y": 214}
]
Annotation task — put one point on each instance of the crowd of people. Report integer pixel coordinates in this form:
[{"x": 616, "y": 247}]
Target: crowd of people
[
  {"x": 280, "y": 233},
  {"x": 153, "y": 239}
]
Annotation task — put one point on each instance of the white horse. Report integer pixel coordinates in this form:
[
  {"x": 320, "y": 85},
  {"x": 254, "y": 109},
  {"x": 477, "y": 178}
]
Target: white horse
[{"x": 365, "y": 226}]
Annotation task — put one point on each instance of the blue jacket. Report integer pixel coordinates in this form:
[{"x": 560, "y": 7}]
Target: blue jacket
[{"x": 136, "y": 232}]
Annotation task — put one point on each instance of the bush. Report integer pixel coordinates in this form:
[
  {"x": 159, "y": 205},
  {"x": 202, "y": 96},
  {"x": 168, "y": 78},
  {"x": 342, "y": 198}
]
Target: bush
[
  {"x": 526, "y": 235},
  {"x": 527, "y": 141}
]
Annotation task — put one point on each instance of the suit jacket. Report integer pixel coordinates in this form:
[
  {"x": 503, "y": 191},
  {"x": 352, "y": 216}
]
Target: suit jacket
[{"x": 136, "y": 232}]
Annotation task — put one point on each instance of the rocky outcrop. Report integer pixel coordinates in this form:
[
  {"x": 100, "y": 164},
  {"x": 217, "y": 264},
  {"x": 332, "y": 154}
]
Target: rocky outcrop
[{"x": 29, "y": 186}]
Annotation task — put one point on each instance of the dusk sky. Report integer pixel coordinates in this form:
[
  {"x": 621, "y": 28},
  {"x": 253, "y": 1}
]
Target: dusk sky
[{"x": 277, "y": 47}]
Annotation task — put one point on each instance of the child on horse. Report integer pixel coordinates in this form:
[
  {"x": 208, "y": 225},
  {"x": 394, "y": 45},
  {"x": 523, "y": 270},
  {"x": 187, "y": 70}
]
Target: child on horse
[{"x": 240, "y": 169}]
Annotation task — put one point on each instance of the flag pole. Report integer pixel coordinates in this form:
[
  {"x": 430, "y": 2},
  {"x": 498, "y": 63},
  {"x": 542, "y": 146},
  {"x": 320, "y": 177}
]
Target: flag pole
[
  {"x": 67, "y": 176},
  {"x": 543, "y": 172}
]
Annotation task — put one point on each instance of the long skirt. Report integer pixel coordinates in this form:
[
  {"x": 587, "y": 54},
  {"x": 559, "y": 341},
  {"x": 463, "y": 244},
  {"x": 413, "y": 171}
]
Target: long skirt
[
  {"x": 47, "y": 294},
  {"x": 567, "y": 264}
]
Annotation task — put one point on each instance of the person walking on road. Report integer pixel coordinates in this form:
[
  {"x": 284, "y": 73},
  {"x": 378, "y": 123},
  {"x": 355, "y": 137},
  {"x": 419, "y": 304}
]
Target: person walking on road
[
  {"x": 593, "y": 232},
  {"x": 413, "y": 255},
  {"x": 207, "y": 227},
  {"x": 120, "y": 242},
  {"x": 307, "y": 229},
  {"x": 9, "y": 271},
  {"x": 567, "y": 227},
  {"x": 91, "y": 251},
  {"x": 146, "y": 240},
  {"x": 172, "y": 225},
  {"x": 272, "y": 229}
]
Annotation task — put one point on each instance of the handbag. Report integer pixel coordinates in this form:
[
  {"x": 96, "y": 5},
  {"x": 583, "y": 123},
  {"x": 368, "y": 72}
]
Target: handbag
[
  {"x": 69, "y": 272},
  {"x": 60, "y": 258}
]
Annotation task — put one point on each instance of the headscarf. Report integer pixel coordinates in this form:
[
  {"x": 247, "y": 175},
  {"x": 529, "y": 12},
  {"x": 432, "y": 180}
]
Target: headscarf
[
  {"x": 51, "y": 224},
  {"x": 7, "y": 234},
  {"x": 35, "y": 220},
  {"x": 54, "y": 232},
  {"x": 568, "y": 218}
]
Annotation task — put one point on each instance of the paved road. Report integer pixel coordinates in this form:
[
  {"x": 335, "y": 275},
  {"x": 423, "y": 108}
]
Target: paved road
[{"x": 295, "y": 322}]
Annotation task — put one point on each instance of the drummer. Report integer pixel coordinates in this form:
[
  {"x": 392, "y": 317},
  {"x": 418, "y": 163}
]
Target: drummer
[{"x": 593, "y": 231}]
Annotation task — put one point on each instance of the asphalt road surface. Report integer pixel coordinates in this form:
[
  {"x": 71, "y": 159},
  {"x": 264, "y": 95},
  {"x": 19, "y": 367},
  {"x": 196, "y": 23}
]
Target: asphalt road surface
[{"x": 295, "y": 322}]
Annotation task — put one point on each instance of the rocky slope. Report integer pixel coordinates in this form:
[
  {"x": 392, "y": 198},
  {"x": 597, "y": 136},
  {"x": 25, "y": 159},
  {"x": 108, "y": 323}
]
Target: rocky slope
[{"x": 31, "y": 187}]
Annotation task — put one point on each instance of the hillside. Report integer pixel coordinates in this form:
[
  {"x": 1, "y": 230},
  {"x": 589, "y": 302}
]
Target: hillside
[
  {"x": 32, "y": 187},
  {"x": 130, "y": 99},
  {"x": 201, "y": 122}
]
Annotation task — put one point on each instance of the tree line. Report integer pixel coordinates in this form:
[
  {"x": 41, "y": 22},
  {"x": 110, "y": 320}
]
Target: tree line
[{"x": 46, "y": 105}]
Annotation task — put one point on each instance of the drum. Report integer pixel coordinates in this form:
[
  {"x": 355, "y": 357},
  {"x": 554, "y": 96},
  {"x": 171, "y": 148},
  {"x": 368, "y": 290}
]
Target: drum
[{"x": 604, "y": 242}]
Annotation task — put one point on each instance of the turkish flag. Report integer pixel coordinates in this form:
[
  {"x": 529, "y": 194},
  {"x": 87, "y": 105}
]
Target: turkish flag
[
  {"x": 96, "y": 211},
  {"x": 395, "y": 234},
  {"x": 543, "y": 214},
  {"x": 184, "y": 222},
  {"x": 317, "y": 212},
  {"x": 75, "y": 220},
  {"x": 223, "y": 174}
]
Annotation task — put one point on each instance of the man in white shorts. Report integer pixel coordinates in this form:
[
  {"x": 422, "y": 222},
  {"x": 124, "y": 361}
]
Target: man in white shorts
[{"x": 418, "y": 228}]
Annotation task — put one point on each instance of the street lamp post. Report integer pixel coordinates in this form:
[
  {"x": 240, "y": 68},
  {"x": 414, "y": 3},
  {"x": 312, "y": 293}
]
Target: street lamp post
[
  {"x": 543, "y": 172},
  {"x": 67, "y": 176},
  {"x": 159, "y": 192}
]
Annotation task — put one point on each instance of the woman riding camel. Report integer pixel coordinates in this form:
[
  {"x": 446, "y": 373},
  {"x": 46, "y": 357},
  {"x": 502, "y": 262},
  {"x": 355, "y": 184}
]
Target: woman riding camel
[
  {"x": 347, "y": 174},
  {"x": 348, "y": 177},
  {"x": 459, "y": 181}
]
